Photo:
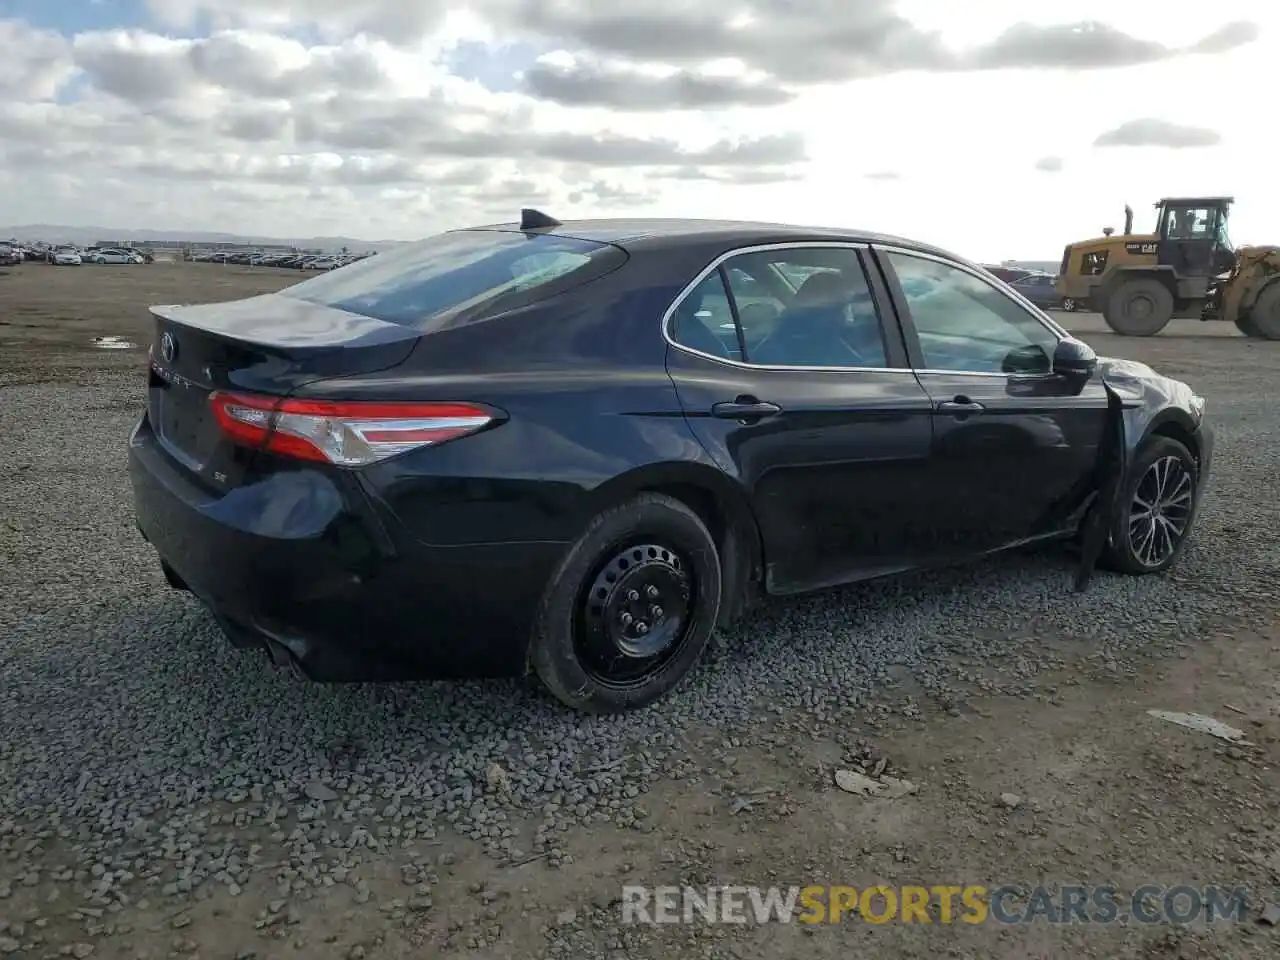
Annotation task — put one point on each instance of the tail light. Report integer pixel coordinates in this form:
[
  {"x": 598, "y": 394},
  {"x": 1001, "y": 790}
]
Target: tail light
[{"x": 346, "y": 433}]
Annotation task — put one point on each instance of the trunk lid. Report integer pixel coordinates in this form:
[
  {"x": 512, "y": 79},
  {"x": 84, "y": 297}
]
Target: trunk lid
[{"x": 270, "y": 344}]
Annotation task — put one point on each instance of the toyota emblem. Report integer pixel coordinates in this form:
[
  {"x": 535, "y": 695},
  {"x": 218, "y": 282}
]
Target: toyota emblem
[{"x": 168, "y": 348}]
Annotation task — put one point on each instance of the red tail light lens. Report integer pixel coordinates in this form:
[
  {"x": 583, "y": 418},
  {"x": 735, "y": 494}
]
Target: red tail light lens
[{"x": 348, "y": 434}]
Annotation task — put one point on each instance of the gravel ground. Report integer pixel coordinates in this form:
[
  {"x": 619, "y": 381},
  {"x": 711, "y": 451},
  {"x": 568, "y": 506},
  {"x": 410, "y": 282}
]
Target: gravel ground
[{"x": 162, "y": 794}]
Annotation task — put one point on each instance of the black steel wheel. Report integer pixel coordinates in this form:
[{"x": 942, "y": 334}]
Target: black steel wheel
[
  {"x": 631, "y": 607},
  {"x": 634, "y": 615},
  {"x": 1156, "y": 511}
]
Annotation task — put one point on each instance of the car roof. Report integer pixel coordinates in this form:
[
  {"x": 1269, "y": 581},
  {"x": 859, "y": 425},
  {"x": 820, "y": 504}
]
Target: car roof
[{"x": 642, "y": 231}]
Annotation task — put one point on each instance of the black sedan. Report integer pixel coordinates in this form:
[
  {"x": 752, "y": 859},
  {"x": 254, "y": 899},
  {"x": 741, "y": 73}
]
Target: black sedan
[
  {"x": 574, "y": 449},
  {"x": 1039, "y": 289}
]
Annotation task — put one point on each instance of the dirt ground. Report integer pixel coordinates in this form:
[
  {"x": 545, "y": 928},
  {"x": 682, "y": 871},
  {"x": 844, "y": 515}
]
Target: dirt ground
[
  {"x": 44, "y": 304},
  {"x": 1058, "y": 778}
]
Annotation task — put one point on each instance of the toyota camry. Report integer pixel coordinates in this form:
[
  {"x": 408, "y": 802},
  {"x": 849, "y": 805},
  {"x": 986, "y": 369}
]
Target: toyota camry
[{"x": 574, "y": 449}]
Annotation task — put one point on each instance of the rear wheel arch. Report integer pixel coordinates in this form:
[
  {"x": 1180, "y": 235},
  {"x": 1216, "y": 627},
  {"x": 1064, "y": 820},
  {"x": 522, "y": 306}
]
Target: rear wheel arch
[{"x": 720, "y": 503}]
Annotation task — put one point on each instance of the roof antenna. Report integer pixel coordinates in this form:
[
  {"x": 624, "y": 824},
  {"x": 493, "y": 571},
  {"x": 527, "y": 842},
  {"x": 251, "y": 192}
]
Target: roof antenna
[{"x": 531, "y": 219}]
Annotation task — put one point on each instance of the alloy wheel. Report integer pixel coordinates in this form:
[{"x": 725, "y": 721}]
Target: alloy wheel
[
  {"x": 634, "y": 618},
  {"x": 1160, "y": 511}
]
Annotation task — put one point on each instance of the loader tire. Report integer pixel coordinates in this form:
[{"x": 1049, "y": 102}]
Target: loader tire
[
  {"x": 1244, "y": 323},
  {"x": 1139, "y": 308},
  {"x": 1264, "y": 317}
]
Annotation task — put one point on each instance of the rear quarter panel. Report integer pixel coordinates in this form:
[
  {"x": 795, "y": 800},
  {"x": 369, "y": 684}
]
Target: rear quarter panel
[{"x": 588, "y": 413}]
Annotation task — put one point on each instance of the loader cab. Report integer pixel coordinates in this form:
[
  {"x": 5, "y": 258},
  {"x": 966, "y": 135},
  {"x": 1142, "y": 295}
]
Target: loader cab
[{"x": 1192, "y": 235}]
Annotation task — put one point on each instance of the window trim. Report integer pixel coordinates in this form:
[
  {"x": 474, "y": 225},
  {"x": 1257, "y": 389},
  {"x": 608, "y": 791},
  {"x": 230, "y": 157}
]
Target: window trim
[
  {"x": 731, "y": 299},
  {"x": 889, "y": 325},
  {"x": 907, "y": 323}
]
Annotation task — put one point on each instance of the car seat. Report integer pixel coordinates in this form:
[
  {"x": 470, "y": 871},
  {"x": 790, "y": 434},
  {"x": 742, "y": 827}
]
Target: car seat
[
  {"x": 810, "y": 332},
  {"x": 758, "y": 321}
]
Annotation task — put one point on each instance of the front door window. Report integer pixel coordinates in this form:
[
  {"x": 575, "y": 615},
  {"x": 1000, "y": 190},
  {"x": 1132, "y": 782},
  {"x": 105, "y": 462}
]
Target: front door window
[{"x": 965, "y": 324}]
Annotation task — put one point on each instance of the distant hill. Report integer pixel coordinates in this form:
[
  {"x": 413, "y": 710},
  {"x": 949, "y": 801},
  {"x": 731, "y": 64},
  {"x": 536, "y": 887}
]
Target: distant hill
[{"x": 83, "y": 236}]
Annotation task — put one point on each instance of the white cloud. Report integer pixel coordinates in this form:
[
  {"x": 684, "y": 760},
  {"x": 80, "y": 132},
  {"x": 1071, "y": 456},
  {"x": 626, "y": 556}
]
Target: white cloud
[
  {"x": 984, "y": 129},
  {"x": 1154, "y": 132}
]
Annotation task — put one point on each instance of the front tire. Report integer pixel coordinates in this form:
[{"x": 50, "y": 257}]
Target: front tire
[
  {"x": 1139, "y": 308},
  {"x": 1068, "y": 305},
  {"x": 631, "y": 607},
  {"x": 1156, "y": 509},
  {"x": 1264, "y": 317},
  {"x": 1244, "y": 323}
]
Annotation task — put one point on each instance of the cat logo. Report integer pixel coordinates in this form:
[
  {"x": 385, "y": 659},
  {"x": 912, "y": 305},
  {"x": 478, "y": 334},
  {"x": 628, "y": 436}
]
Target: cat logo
[{"x": 1143, "y": 248}]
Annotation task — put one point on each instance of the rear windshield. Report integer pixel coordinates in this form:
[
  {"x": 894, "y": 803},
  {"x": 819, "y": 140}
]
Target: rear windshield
[{"x": 465, "y": 272}]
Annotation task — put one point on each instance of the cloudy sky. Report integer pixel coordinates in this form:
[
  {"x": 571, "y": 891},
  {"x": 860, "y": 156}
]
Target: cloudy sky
[{"x": 998, "y": 129}]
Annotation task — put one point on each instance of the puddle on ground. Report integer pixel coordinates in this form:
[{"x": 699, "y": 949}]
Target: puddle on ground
[{"x": 113, "y": 343}]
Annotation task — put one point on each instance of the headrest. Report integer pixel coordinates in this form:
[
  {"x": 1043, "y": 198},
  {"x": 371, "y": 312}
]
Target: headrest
[{"x": 825, "y": 287}]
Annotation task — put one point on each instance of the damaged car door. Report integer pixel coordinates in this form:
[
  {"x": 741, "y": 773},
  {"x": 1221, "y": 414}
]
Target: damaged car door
[{"x": 1015, "y": 441}]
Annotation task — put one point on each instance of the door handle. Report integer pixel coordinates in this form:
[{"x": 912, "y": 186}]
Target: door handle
[
  {"x": 961, "y": 407},
  {"x": 745, "y": 408}
]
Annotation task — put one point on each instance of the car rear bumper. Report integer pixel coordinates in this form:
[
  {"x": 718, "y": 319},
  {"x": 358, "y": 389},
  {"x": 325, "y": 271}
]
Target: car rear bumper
[{"x": 303, "y": 565}]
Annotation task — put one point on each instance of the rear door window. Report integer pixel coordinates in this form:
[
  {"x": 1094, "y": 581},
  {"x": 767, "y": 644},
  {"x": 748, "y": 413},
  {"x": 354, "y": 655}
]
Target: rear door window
[
  {"x": 824, "y": 315},
  {"x": 465, "y": 274},
  {"x": 793, "y": 306}
]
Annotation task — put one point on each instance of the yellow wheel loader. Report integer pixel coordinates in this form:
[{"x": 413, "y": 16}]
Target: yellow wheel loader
[{"x": 1138, "y": 282}]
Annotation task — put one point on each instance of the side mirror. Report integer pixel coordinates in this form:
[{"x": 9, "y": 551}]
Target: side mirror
[
  {"x": 1030, "y": 359},
  {"x": 1074, "y": 361}
]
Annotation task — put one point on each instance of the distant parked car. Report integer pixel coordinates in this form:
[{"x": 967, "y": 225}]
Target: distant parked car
[
  {"x": 113, "y": 255},
  {"x": 1039, "y": 289},
  {"x": 66, "y": 257},
  {"x": 9, "y": 256},
  {"x": 1008, "y": 274}
]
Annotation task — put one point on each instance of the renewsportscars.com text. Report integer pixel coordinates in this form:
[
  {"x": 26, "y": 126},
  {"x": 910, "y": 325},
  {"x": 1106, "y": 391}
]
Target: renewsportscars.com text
[{"x": 944, "y": 904}]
